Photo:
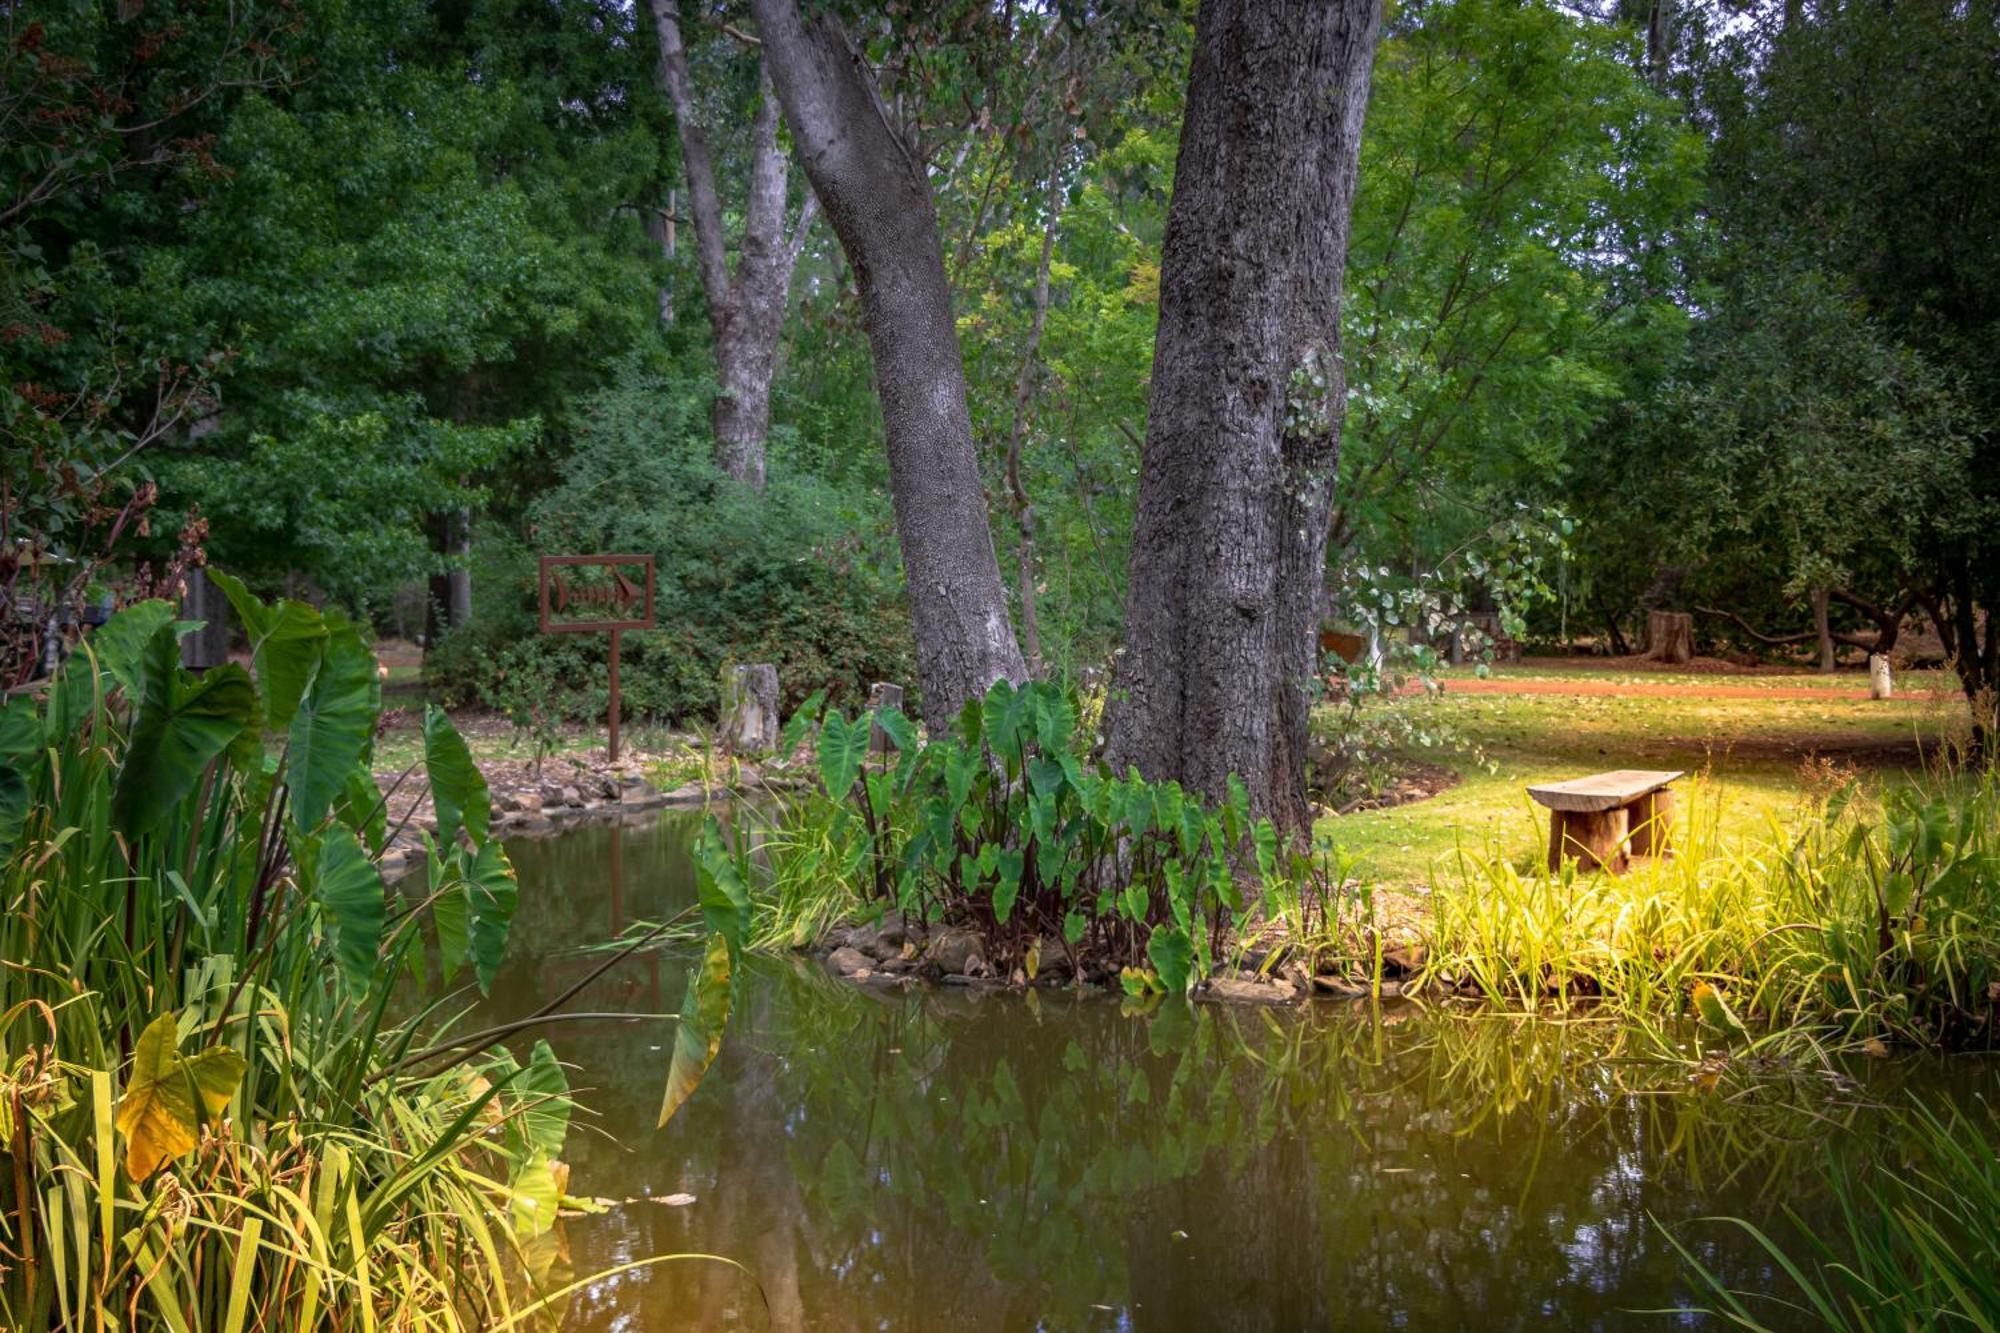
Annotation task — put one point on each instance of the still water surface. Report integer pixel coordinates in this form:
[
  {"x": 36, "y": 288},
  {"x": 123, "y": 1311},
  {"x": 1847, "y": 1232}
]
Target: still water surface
[{"x": 944, "y": 1160}]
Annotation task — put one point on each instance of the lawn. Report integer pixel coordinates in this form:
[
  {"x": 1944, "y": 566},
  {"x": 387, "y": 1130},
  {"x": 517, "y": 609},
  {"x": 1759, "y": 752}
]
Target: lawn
[{"x": 1755, "y": 751}]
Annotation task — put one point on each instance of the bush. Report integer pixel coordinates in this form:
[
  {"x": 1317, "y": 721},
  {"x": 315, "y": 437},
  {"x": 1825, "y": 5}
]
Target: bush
[
  {"x": 803, "y": 576},
  {"x": 1001, "y": 826}
]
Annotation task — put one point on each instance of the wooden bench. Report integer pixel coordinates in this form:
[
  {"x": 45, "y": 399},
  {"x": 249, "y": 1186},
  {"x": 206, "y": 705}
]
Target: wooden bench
[{"x": 1607, "y": 818}]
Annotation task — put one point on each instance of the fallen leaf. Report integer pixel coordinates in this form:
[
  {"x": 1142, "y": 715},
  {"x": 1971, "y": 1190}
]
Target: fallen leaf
[{"x": 674, "y": 1200}]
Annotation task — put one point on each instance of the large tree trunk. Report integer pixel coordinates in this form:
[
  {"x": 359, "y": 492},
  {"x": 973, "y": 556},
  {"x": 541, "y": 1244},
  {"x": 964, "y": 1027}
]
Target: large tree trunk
[
  {"x": 878, "y": 199},
  {"x": 746, "y": 308},
  {"x": 1243, "y": 438}
]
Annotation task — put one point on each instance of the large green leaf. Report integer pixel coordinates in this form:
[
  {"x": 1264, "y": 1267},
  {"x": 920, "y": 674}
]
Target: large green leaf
[
  {"x": 542, "y": 1123},
  {"x": 334, "y": 722},
  {"x": 120, "y": 643},
  {"x": 350, "y": 893},
  {"x": 451, "y": 916},
  {"x": 20, "y": 737},
  {"x": 720, "y": 885},
  {"x": 704, "y": 1013},
  {"x": 490, "y": 883},
  {"x": 285, "y": 644},
  {"x": 842, "y": 747},
  {"x": 458, "y": 789},
  {"x": 1172, "y": 955},
  {"x": 184, "y": 722}
]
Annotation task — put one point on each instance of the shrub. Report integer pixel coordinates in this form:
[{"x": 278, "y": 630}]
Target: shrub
[
  {"x": 802, "y": 575},
  {"x": 1002, "y": 827}
]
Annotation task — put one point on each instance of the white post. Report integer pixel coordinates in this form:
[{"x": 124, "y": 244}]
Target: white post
[{"x": 1879, "y": 683}]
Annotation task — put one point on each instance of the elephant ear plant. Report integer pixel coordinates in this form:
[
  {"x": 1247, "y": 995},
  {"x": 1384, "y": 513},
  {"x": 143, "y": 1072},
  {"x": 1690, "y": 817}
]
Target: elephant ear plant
[
  {"x": 1002, "y": 827},
  {"x": 215, "y": 1114}
]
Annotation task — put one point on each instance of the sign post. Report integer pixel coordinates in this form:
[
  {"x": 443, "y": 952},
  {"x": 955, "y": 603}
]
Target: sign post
[{"x": 594, "y": 594}]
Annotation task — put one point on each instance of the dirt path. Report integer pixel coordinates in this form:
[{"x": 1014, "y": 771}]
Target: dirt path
[{"x": 1633, "y": 689}]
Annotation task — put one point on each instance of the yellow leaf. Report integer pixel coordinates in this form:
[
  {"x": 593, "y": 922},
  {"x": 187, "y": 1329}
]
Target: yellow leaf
[
  {"x": 168, "y": 1099},
  {"x": 703, "y": 1016},
  {"x": 1033, "y": 963}
]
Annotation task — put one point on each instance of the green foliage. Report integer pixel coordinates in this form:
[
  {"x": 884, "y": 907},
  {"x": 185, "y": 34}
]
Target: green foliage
[
  {"x": 799, "y": 576},
  {"x": 1506, "y": 278},
  {"x": 1001, "y": 826}
]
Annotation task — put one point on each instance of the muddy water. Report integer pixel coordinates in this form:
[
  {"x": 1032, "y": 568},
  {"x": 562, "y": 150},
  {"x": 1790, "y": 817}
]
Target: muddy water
[{"x": 943, "y": 1160}]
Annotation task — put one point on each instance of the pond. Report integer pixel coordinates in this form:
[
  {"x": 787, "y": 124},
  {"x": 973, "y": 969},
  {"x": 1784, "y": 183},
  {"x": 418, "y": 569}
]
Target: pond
[{"x": 943, "y": 1159}]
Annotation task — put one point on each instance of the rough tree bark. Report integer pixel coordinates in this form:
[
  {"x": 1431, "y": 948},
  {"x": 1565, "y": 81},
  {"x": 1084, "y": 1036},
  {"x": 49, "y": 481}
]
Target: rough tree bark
[
  {"x": 746, "y": 308},
  {"x": 877, "y": 197},
  {"x": 1243, "y": 437}
]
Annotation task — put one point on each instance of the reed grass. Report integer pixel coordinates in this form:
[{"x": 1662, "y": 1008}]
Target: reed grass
[
  {"x": 1854, "y": 919},
  {"x": 1917, "y": 1245},
  {"x": 312, "y": 1147}
]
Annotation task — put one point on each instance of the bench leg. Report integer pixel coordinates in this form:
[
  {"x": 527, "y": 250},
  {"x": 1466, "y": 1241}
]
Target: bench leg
[
  {"x": 1653, "y": 823},
  {"x": 1595, "y": 839}
]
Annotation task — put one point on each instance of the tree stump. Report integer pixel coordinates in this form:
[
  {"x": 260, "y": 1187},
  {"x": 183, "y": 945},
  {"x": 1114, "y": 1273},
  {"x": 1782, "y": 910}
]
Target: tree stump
[
  {"x": 881, "y": 695},
  {"x": 750, "y": 708},
  {"x": 1597, "y": 839},
  {"x": 1880, "y": 684},
  {"x": 1670, "y": 637}
]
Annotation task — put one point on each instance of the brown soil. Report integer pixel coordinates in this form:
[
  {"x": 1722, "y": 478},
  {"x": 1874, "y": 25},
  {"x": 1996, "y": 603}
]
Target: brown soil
[
  {"x": 1419, "y": 783},
  {"x": 1645, "y": 689}
]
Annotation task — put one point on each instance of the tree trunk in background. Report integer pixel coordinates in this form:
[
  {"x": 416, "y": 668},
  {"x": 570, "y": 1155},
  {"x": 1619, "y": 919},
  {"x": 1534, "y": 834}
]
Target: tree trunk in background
[
  {"x": 1024, "y": 390},
  {"x": 661, "y": 228},
  {"x": 451, "y": 589},
  {"x": 1822, "y": 628},
  {"x": 202, "y": 600},
  {"x": 1243, "y": 438},
  {"x": 746, "y": 308},
  {"x": 877, "y": 198}
]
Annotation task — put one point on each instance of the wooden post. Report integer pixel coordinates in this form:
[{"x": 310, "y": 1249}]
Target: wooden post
[
  {"x": 1652, "y": 823},
  {"x": 1596, "y": 838},
  {"x": 614, "y": 696},
  {"x": 881, "y": 695},
  {"x": 1880, "y": 683}
]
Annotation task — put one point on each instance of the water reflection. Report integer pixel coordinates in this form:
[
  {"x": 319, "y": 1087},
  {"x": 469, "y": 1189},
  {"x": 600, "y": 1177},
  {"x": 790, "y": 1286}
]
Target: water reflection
[{"x": 944, "y": 1159}]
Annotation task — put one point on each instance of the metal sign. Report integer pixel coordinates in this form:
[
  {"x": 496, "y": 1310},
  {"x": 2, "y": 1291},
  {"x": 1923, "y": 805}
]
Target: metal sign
[
  {"x": 595, "y": 594},
  {"x": 589, "y": 594}
]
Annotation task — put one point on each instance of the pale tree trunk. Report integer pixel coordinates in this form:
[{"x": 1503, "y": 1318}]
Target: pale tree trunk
[
  {"x": 1024, "y": 388},
  {"x": 1243, "y": 436},
  {"x": 878, "y": 199},
  {"x": 746, "y": 307},
  {"x": 661, "y": 227}
]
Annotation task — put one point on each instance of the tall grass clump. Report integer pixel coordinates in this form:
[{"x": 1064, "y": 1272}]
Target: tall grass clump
[
  {"x": 213, "y": 1116},
  {"x": 1916, "y": 1245},
  {"x": 1861, "y": 918}
]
